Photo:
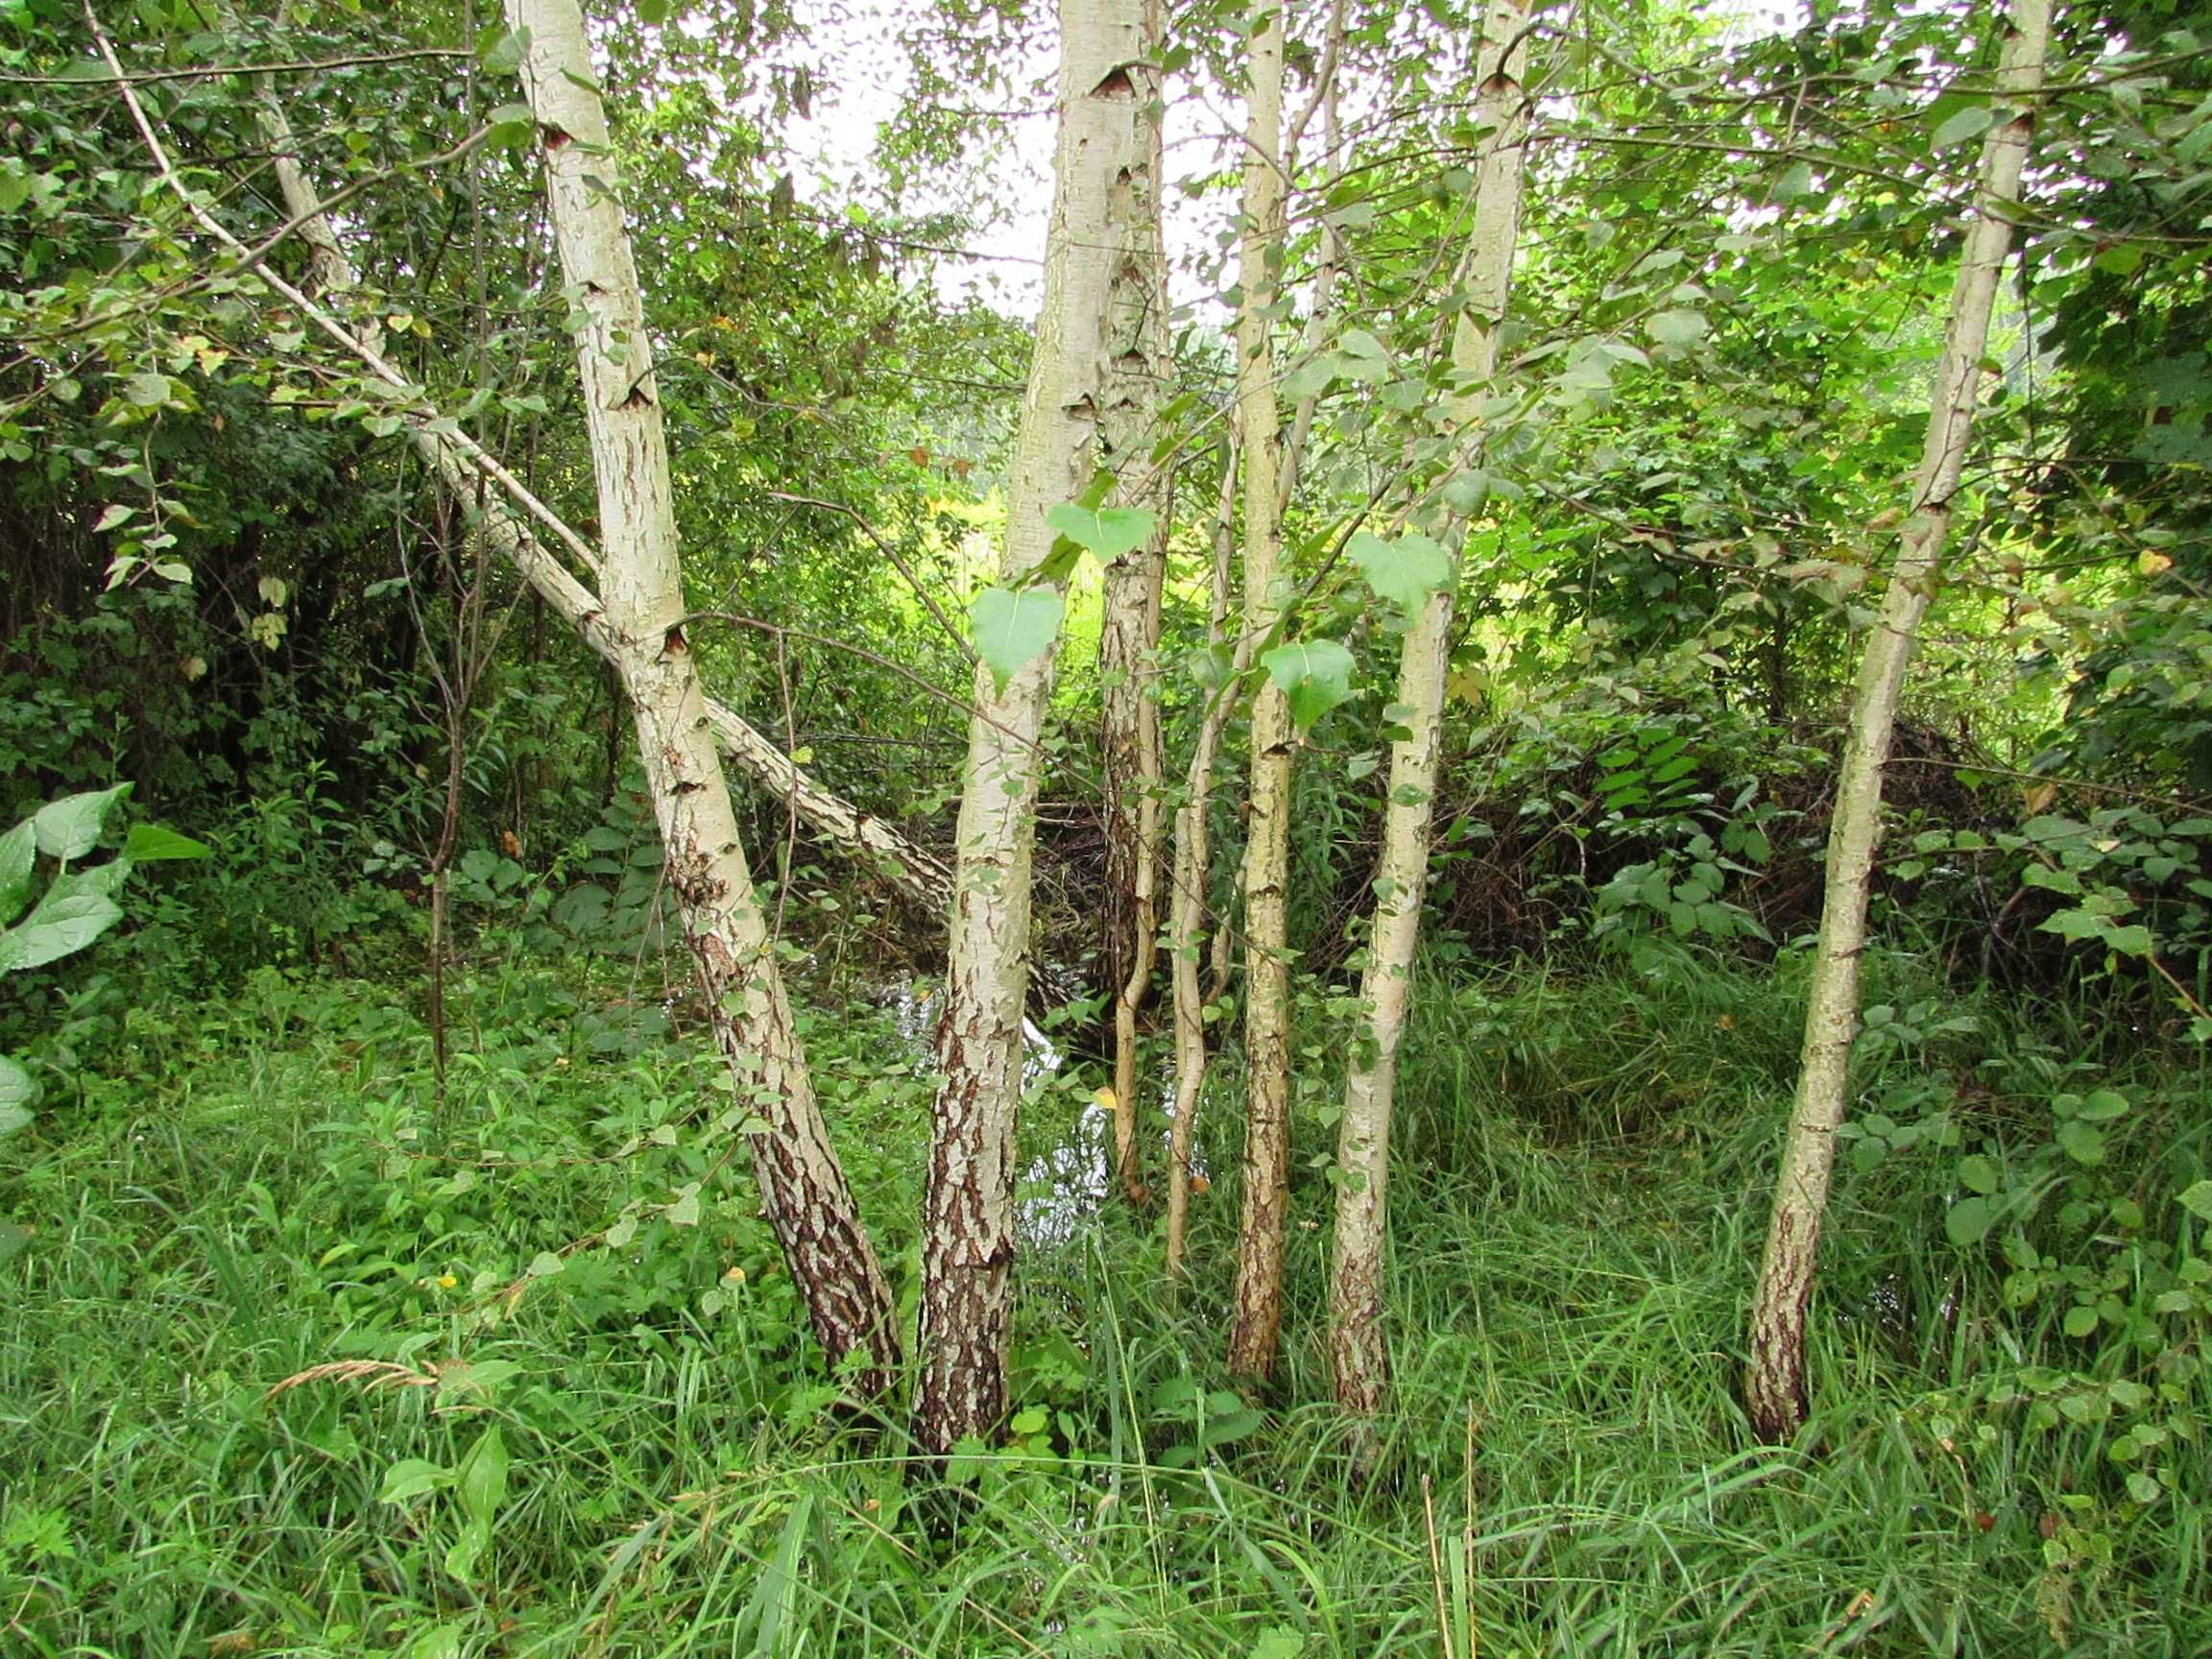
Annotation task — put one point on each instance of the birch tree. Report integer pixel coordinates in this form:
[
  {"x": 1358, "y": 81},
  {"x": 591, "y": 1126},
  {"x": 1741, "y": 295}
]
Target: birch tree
[
  {"x": 1074, "y": 409},
  {"x": 506, "y": 512},
  {"x": 1416, "y": 573},
  {"x": 1258, "y": 1318},
  {"x": 805, "y": 1195},
  {"x": 1129, "y": 627},
  {"x": 1186, "y": 889},
  {"x": 1775, "y": 1388}
]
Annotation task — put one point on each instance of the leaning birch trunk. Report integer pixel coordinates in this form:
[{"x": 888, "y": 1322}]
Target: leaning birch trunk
[
  {"x": 1187, "y": 887},
  {"x": 920, "y": 876},
  {"x": 1775, "y": 1389},
  {"x": 968, "y": 1219},
  {"x": 804, "y": 1191},
  {"x": 1359, "y": 1349},
  {"x": 1257, "y": 1319},
  {"x": 1129, "y": 628}
]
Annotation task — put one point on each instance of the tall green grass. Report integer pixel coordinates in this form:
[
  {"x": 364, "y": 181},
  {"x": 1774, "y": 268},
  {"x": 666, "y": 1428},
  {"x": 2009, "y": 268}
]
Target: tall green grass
[{"x": 240, "y": 1199}]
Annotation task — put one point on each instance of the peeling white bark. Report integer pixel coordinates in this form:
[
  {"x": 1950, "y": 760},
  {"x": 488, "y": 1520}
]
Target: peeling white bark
[
  {"x": 805, "y": 1195},
  {"x": 969, "y": 1223},
  {"x": 1258, "y": 1320},
  {"x": 464, "y": 471},
  {"x": 1775, "y": 1388},
  {"x": 1358, "y": 1347},
  {"x": 1138, "y": 366}
]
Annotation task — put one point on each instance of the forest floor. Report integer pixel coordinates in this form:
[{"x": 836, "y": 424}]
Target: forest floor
[{"x": 299, "y": 1358}]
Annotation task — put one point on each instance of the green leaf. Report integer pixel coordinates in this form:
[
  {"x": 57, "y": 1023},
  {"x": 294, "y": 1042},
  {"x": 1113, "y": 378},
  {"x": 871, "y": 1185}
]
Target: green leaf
[
  {"x": 502, "y": 51},
  {"x": 1361, "y": 356},
  {"x": 545, "y": 1264},
  {"x": 18, "y": 1090},
  {"x": 1970, "y": 122},
  {"x": 1404, "y": 570},
  {"x": 1678, "y": 329},
  {"x": 2081, "y": 1142},
  {"x": 1969, "y": 1221},
  {"x": 1311, "y": 378},
  {"x": 19, "y": 856},
  {"x": 409, "y": 1479},
  {"x": 2197, "y": 1199},
  {"x": 58, "y": 928},
  {"x": 70, "y": 827},
  {"x": 1978, "y": 1175},
  {"x": 2102, "y": 1106},
  {"x": 482, "y": 1478},
  {"x": 1316, "y": 675},
  {"x": 149, "y": 391},
  {"x": 1104, "y": 532},
  {"x": 2080, "y": 1321},
  {"x": 151, "y": 843},
  {"x": 1014, "y": 627}
]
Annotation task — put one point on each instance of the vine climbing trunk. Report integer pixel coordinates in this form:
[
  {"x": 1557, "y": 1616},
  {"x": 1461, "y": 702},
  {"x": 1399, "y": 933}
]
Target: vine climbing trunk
[
  {"x": 1074, "y": 408},
  {"x": 1257, "y": 1319},
  {"x": 1129, "y": 626},
  {"x": 1775, "y": 1386},
  {"x": 1358, "y": 1350},
  {"x": 805, "y": 1195}
]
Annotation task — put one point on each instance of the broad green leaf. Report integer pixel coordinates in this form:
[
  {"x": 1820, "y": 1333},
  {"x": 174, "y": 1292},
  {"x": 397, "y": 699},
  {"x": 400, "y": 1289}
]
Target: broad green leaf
[
  {"x": 1978, "y": 1175},
  {"x": 545, "y": 1264},
  {"x": 448, "y": 1641},
  {"x": 482, "y": 1478},
  {"x": 410, "y": 1477},
  {"x": 1680, "y": 328},
  {"x": 2198, "y": 1200},
  {"x": 2084, "y": 1143},
  {"x": 1311, "y": 378},
  {"x": 149, "y": 391},
  {"x": 502, "y": 51},
  {"x": 1361, "y": 356},
  {"x": 70, "y": 827},
  {"x": 1105, "y": 532},
  {"x": 1014, "y": 627},
  {"x": 1315, "y": 675},
  {"x": 151, "y": 843},
  {"x": 19, "y": 856},
  {"x": 1404, "y": 570},
  {"x": 56, "y": 928},
  {"x": 1969, "y": 1221},
  {"x": 2102, "y": 1106},
  {"x": 1970, "y": 122},
  {"x": 18, "y": 1090},
  {"x": 2080, "y": 1321}
]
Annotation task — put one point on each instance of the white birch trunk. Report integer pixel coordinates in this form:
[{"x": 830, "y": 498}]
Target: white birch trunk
[
  {"x": 1258, "y": 1318},
  {"x": 920, "y": 876},
  {"x": 1187, "y": 888},
  {"x": 1775, "y": 1388},
  {"x": 803, "y": 1190},
  {"x": 969, "y": 1220},
  {"x": 1129, "y": 628},
  {"x": 1359, "y": 1347}
]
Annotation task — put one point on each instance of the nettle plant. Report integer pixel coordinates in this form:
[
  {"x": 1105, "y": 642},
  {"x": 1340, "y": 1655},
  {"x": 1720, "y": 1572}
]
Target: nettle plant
[{"x": 77, "y": 906}]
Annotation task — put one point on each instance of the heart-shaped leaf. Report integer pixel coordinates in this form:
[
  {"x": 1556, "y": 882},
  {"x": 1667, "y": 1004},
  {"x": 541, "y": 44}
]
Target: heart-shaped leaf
[
  {"x": 1316, "y": 675},
  {"x": 1014, "y": 627},
  {"x": 1105, "y": 532},
  {"x": 1404, "y": 570}
]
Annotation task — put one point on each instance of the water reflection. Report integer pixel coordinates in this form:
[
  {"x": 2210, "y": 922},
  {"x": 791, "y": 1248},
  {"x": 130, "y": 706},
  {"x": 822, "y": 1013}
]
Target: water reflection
[{"x": 1062, "y": 1188}]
